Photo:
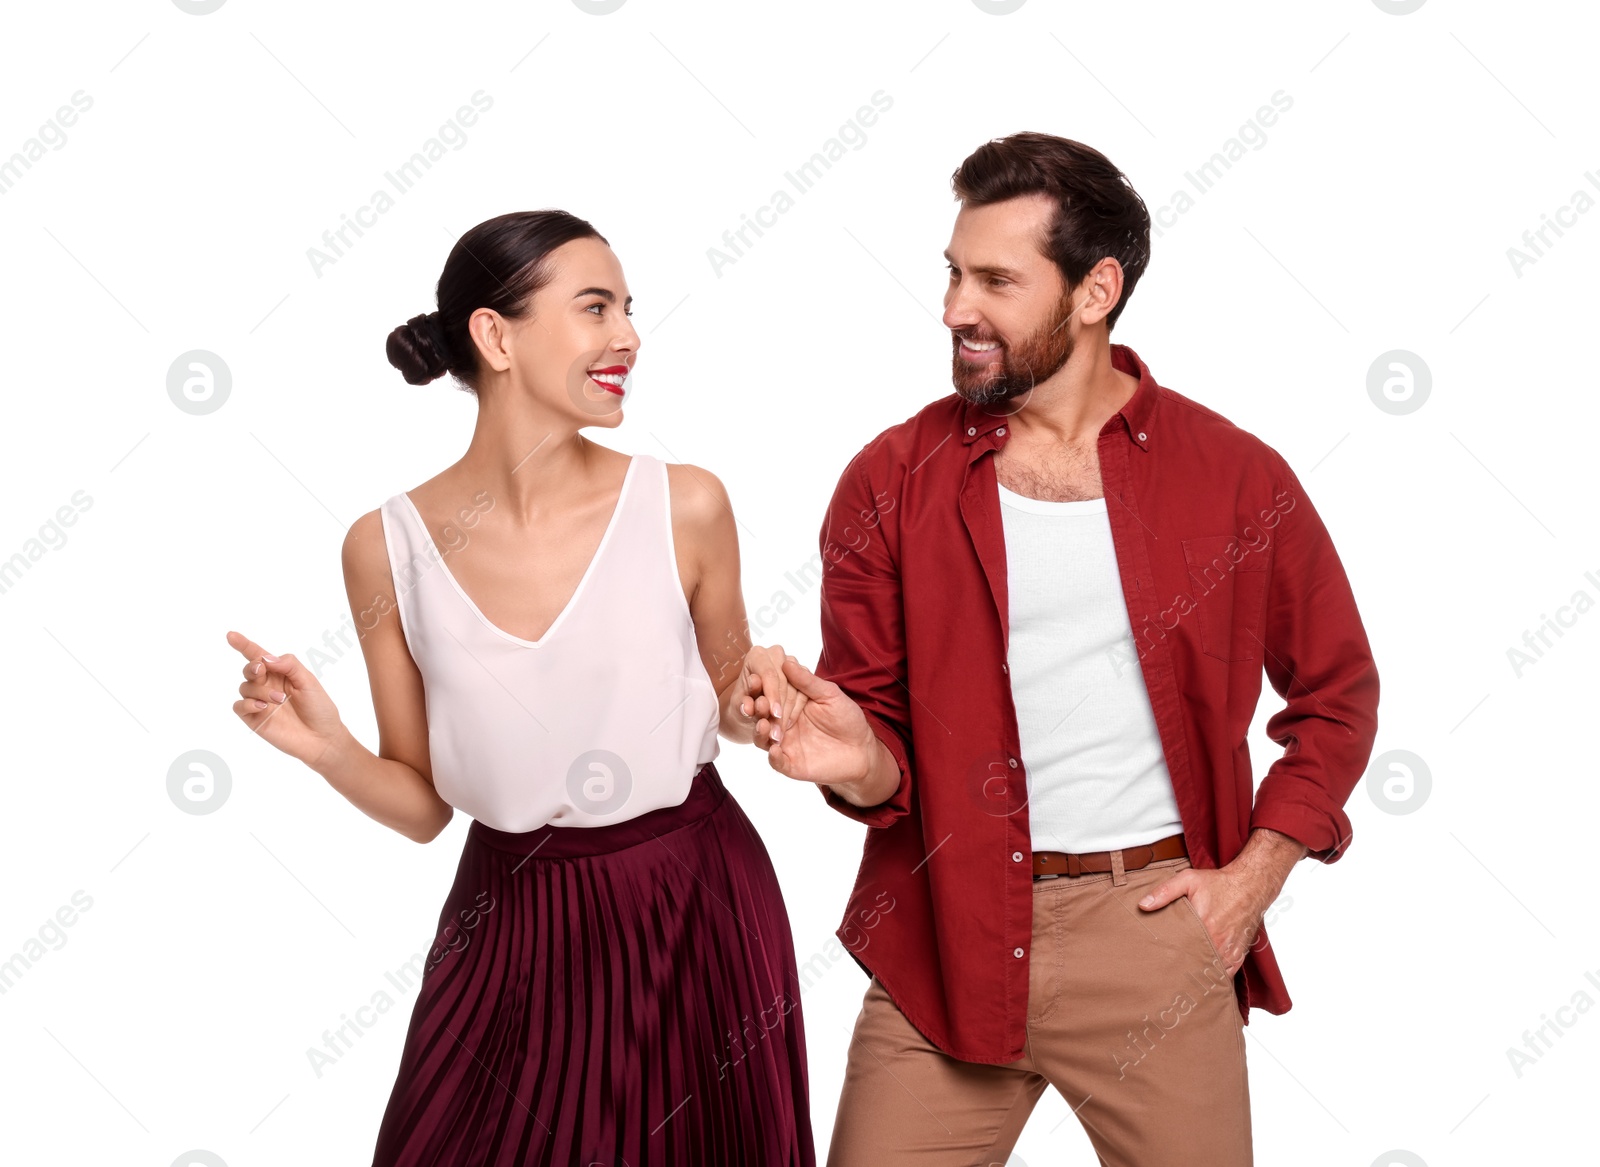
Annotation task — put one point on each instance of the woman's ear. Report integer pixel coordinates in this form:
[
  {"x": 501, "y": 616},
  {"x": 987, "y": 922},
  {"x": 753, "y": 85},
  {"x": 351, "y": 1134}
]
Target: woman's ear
[{"x": 491, "y": 334}]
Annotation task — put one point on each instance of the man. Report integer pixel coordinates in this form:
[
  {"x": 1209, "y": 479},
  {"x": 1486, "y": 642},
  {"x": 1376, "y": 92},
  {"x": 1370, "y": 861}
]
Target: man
[{"x": 1046, "y": 606}]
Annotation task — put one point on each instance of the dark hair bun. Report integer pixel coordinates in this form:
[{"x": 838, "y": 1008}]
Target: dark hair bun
[{"x": 418, "y": 349}]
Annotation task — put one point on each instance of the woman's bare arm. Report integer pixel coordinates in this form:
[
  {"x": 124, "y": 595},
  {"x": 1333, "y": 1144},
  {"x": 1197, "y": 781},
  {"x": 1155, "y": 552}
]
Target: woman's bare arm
[
  {"x": 395, "y": 785},
  {"x": 707, "y": 539}
]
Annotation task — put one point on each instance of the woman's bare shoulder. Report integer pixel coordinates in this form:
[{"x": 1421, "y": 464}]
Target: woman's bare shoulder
[
  {"x": 700, "y": 501},
  {"x": 365, "y": 553}
]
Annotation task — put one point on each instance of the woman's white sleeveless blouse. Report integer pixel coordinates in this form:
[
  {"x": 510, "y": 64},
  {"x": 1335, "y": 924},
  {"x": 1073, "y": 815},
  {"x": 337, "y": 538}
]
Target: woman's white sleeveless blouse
[{"x": 606, "y": 716}]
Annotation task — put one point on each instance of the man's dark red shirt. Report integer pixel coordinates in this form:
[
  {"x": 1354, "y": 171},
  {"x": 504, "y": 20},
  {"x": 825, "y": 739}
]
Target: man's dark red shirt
[{"x": 1226, "y": 569}]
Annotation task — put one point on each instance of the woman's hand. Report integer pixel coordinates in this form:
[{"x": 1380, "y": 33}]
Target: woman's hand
[
  {"x": 284, "y": 704},
  {"x": 764, "y": 693}
]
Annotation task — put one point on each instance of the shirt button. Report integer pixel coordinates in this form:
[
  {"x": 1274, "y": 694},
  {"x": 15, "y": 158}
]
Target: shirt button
[
  {"x": 1013, "y": 763},
  {"x": 971, "y": 429},
  {"x": 1016, "y": 856},
  {"x": 1016, "y": 952},
  {"x": 1001, "y": 432},
  {"x": 1141, "y": 436}
]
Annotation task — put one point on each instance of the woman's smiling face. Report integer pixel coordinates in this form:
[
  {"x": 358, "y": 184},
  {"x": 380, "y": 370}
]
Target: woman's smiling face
[{"x": 575, "y": 348}]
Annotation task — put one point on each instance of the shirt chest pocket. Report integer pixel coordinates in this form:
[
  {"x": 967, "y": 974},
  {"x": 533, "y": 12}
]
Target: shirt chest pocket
[{"x": 1229, "y": 594}]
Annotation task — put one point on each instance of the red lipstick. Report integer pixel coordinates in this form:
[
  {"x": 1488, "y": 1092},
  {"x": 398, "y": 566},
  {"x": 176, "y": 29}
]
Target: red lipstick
[{"x": 619, "y": 371}]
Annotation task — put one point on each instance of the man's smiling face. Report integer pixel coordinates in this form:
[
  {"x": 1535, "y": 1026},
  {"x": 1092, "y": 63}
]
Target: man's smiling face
[{"x": 1007, "y": 305}]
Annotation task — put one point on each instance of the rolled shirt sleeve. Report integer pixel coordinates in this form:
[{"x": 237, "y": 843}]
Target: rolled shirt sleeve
[{"x": 1319, "y": 661}]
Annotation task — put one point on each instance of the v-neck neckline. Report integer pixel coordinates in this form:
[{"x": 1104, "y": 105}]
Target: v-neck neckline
[{"x": 611, "y": 524}]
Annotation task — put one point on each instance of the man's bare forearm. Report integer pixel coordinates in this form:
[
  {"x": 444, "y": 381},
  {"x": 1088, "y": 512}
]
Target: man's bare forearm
[
  {"x": 1267, "y": 858},
  {"x": 881, "y": 780}
]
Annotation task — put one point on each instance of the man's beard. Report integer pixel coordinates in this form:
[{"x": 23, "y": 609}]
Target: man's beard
[{"x": 1033, "y": 359}]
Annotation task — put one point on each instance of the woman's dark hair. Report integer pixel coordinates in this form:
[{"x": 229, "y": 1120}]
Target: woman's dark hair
[
  {"x": 1098, "y": 213},
  {"x": 498, "y": 264}
]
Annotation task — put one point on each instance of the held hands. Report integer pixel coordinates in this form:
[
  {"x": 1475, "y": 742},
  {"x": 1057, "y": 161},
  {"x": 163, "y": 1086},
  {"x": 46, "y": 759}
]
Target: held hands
[
  {"x": 284, "y": 703},
  {"x": 811, "y": 730}
]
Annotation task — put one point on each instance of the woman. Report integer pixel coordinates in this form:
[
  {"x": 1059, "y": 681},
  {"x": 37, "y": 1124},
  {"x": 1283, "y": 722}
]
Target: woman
[{"x": 614, "y": 977}]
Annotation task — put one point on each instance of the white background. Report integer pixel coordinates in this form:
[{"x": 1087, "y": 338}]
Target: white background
[{"x": 176, "y": 1012}]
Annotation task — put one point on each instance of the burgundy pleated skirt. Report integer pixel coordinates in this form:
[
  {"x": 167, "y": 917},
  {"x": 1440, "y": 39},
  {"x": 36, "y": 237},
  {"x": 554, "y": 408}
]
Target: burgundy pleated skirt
[{"x": 624, "y": 995}]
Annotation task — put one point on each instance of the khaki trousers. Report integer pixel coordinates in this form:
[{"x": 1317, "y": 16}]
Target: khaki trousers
[{"x": 1130, "y": 1017}]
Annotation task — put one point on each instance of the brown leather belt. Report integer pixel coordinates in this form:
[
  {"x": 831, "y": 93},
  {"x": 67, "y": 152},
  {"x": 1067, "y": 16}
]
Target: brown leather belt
[{"x": 1047, "y": 864}]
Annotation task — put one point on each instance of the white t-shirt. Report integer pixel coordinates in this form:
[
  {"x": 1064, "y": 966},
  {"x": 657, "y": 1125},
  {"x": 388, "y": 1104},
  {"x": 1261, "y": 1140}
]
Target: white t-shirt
[{"x": 1097, "y": 777}]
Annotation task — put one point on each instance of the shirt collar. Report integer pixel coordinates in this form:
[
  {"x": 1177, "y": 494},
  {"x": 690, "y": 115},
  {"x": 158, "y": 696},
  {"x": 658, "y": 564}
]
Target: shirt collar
[{"x": 1137, "y": 412}]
